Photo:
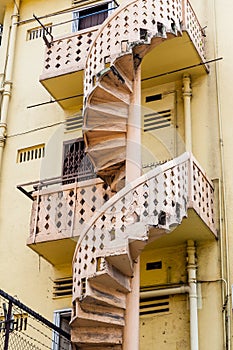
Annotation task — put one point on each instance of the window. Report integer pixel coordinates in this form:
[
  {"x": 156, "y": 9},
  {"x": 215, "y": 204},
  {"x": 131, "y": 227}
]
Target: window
[
  {"x": 62, "y": 320},
  {"x": 38, "y": 32},
  {"x": 91, "y": 16},
  {"x": 76, "y": 164}
]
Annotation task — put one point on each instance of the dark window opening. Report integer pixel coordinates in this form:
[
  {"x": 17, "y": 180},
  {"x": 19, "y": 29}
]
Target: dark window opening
[
  {"x": 77, "y": 166},
  {"x": 90, "y": 17},
  {"x": 156, "y": 97},
  {"x": 155, "y": 265}
]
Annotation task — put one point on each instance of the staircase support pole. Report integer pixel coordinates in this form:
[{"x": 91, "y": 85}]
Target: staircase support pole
[{"x": 133, "y": 171}]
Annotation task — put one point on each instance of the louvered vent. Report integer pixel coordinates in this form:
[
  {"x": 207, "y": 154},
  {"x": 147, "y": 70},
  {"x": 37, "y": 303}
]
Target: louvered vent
[
  {"x": 74, "y": 123},
  {"x": 154, "y": 305},
  {"x": 62, "y": 287},
  {"x": 157, "y": 120}
]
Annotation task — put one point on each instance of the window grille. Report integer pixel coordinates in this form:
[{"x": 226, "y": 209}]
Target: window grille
[
  {"x": 91, "y": 16},
  {"x": 39, "y": 32},
  {"x": 31, "y": 153},
  {"x": 76, "y": 164}
]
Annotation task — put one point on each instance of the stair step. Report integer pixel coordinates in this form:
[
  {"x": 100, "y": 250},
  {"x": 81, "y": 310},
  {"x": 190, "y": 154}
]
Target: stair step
[
  {"x": 107, "y": 153},
  {"x": 125, "y": 66},
  {"x": 114, "y": 80},
  {"x": 97, "y": 337},
  {"x": 100, "y": 118},
  {"x": 89, "y": 315},
  {"x": 112, "y": 108},
  {"x": 110, "y": 277},
  {"x": 120, "y": 258},
  {"x": 102, "y": 95},
  {"x": 139, "y": 51},
  {"x": 137, "y": 238},
  {"x": 98, "y": 295}
]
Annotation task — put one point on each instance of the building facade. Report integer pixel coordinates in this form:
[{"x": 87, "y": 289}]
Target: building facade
[{"x": 115, "y": 170}]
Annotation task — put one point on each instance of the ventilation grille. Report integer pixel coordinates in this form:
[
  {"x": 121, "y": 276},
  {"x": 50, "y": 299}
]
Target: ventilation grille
[
  {"x": 74, "y": 123},
  {"x": 38, "y": 32},
  {"x": 157, "y": 120},
  {"x": 154, "y": 305},
  {"x": 31, "y": 153},
  {"x": 62, "y": 287}
]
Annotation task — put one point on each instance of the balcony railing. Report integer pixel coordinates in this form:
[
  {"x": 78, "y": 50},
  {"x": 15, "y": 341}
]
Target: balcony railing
[
  {"x": 68, "y": 54},
  {"x": 61, "y": 211}
]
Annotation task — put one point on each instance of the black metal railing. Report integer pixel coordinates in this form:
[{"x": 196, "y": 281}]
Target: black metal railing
[{"x": 21, "y": 328}]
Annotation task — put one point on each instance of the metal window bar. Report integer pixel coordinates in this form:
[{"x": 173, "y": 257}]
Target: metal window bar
[{"x": 76, "y": 164}]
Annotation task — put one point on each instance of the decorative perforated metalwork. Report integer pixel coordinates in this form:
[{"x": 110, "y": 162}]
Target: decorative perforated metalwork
[
  {"x": 61, "y": 214},
  {"x": 159, "y": 199},
  {"x": 68, "y": 54}
]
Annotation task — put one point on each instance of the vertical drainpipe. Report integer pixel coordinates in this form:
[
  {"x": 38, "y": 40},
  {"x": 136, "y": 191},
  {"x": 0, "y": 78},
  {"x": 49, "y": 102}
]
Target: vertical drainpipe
[
  {"x": 7, "y": 86},
  {"x": 192, "y": 280},
  {"x": 133, "y": 171},
  {"x": 187, "y": 94}
]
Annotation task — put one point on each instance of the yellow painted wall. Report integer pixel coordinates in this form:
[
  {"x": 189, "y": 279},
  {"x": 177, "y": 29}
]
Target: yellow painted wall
[{"x": 28, "y": 276}]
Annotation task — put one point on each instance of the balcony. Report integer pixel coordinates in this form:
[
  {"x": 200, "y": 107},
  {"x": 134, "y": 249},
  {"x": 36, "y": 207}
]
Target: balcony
[
  {"x": 63, "y": 68},
  {"x": 59, "y": 214},
  {"x": 130, "y": 24},
  {"x": 176, "y": 196}
]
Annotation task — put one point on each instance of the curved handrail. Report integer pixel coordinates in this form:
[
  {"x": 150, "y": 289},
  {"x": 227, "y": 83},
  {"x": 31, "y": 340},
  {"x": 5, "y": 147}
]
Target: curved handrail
[{"x": 124, "y": 191}]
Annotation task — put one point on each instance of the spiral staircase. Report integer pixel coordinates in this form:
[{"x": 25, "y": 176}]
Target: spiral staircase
[
  {"x": 140, "y": 212},
  {"x": 121, "y": 43}
]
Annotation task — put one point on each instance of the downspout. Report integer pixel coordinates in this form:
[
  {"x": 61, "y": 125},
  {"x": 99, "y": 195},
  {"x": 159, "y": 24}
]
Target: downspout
[
  {"x": 187, "y": 94},
  {"x": 7, "y": 85},
  {"x": 192, "y": 280},
  {"x": 224, "y": 234}
]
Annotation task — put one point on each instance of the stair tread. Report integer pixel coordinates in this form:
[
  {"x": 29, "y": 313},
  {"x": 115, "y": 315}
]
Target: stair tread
[
  {"x": 125, "y": 65},
  {"x": 96, "y": 317},
  {"x": 104, "y": 296},
  {"x": 111, "y": 278},
  {"x": 101, "y": 94},
  {"x": 98, "y": 336},
  {"x": 114, "y": 79}
]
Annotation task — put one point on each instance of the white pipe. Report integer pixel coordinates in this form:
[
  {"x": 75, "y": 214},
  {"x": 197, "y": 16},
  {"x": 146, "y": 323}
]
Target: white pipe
[
  {"x": 224, "y": 234},
  {"x": 187, "y": 93},
  {"x": 7, "y": 86},
  {"x": 192, "y": 279},
  {"x": 164, "y": 291}
]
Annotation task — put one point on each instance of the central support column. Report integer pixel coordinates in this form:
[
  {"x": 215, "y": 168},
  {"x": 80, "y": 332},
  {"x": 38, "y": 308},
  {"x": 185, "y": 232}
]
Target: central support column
[{"x": 133, "y": 171}]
